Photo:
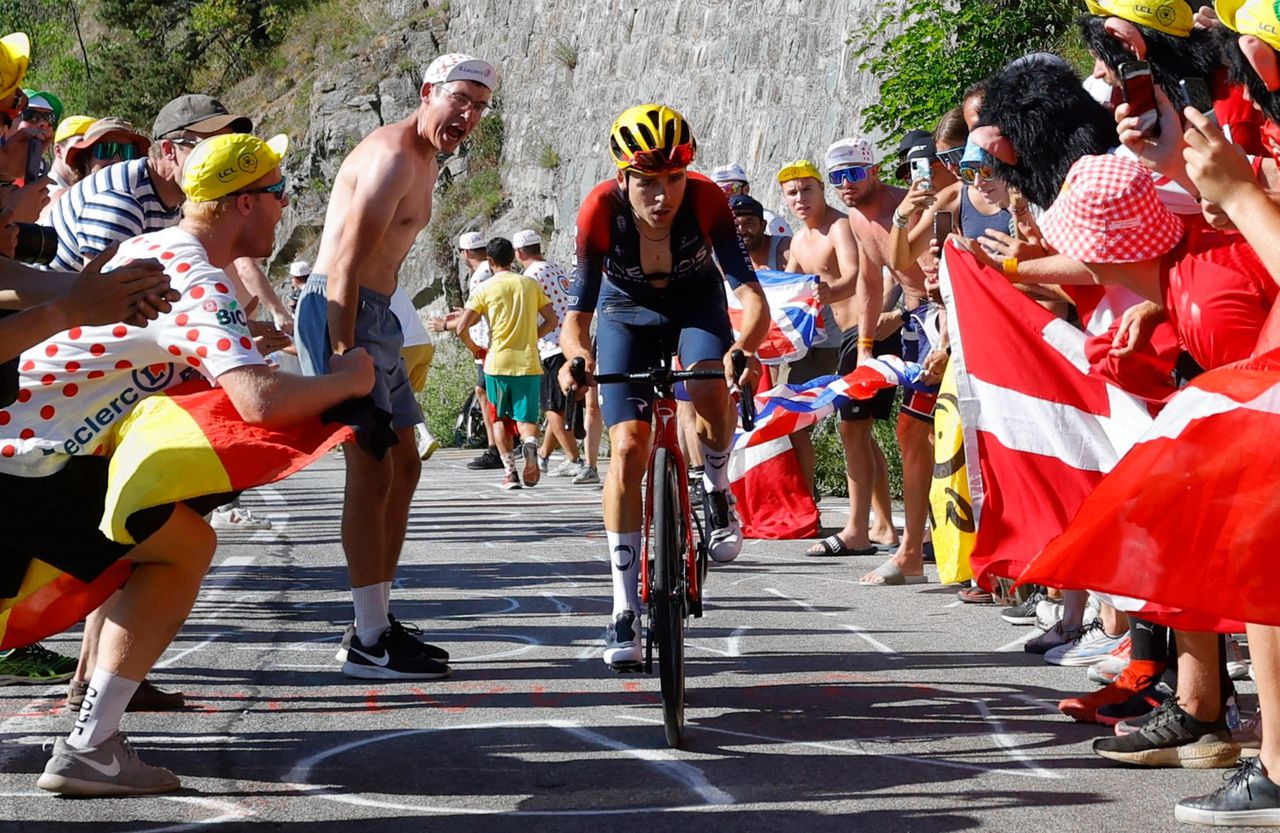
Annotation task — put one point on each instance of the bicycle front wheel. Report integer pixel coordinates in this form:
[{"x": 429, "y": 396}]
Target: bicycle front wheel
[{"x": 667, "y": 592}]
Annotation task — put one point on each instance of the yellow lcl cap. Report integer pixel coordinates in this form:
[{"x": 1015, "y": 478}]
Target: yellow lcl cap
[
  {"x": 1173, "y": 17},
  {"x": 15, "y": 52},
  {"x": 1251, "y": 17},
  {"x": 73, "y": 126},
  {"x": 799, "y": 169},
  {"x": 222, "y": 164}
]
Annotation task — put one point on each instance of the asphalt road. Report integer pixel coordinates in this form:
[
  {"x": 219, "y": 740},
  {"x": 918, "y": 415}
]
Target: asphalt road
[{"x": 814, "y": 704}]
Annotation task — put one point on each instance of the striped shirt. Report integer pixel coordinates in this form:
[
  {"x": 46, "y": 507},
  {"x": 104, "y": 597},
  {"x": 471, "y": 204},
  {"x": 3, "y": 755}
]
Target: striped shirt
[{"x": 111, "y": 206}]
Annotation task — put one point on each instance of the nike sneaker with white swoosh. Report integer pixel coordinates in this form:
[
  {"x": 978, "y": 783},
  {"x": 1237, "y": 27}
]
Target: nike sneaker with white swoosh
[
  {"x": 396, "y": 655},
  {"x": 112, "y": 768}
]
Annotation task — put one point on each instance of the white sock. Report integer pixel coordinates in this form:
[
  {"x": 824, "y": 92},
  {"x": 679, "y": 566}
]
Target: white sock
[
  {"x": 371, "y": 610},
  {"x": 624, "y": 555},
  {"x": 387, "y": 586},
  {"x": 104, "y": 703},
  {"x": 715, "y": 469},
  {"x": 509, "y": 462}
]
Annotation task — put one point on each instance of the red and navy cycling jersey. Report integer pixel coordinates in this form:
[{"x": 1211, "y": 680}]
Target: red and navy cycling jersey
[{"x": 608, "y": 246}]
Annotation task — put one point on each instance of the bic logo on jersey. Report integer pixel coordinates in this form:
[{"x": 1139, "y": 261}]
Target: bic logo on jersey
[{"x": 233, "y": 316}]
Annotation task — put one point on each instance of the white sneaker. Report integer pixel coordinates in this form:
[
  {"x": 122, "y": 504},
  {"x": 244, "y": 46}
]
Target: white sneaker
[
  {"x": 1048, "y": 614},
  {"x": 724, "y": 540},
  {"x": 587, "y": 475},
  {"x": 622, "y": 641},
  {"x": 569, "y": 468},
  {"x": 1091, "y": 645},
  {"x": 237, "y": 517},
  {"x": 427, "y": 444}
]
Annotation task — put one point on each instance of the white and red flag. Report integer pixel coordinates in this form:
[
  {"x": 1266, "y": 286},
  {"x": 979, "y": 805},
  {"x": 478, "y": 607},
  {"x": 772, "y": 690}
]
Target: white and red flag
[
  {"x": 1189, "y": 518},
  {"x": 1040, "y": 427}
]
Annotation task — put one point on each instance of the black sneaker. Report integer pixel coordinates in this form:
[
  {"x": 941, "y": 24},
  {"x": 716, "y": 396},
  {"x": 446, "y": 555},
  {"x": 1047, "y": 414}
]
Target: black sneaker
[
  {"x": 1171, "y": 737},
  {"x": 395, "y": 656},
  {"x": 622, "y": 642},
  {"x": 1248, "y": 799},
  {"x": 415, "y": 633},
  {"x": 1025, "y": 613},
  {"x": 487, "y": 459},
  {"x": 1129, "y": 716}
]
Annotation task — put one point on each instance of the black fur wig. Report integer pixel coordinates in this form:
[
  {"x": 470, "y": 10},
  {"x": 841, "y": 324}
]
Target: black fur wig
[
  {"x": 1242, "y": 72},
  {"x": 1172, "y": 58},
  {"x": 1045, "y": 113}
]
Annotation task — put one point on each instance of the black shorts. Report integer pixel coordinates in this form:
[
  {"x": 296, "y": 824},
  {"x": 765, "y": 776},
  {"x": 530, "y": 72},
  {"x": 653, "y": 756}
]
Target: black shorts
[
  {"x": 56, "y": 518},
  {"x": 879, "y": 406},
  {"x": 480, "y": 375},
  {"x": 553, "y": 398},
  {"x": 819, "y": 361}
]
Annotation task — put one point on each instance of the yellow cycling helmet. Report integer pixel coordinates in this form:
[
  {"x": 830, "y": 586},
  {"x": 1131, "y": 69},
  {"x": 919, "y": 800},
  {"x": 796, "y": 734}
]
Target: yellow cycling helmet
[{"x": 652, "y": 139}]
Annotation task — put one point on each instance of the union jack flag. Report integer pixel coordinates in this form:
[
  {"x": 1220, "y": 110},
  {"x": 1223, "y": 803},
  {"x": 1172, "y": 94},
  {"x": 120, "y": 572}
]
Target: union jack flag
[
  {"x": 795, "y": 312},
  {"x": 785, "y": 409}
]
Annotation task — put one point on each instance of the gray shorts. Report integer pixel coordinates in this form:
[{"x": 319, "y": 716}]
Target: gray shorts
[{"x": 377, "y": 331}]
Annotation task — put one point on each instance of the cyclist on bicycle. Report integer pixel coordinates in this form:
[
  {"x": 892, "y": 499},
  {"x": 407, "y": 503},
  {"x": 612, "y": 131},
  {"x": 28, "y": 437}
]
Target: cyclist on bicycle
[{"x": 645, "y": 265}]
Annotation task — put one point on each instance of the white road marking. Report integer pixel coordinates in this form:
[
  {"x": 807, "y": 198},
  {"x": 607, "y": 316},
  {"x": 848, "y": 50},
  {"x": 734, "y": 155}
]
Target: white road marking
[
  {"x": 1009, "y": 646},
  {"x": 871, "y": 640},
  {"x": 1008, "y": 744},
  {"x": 799, "y": 602},
  {"x": 561, "y": 607},
  {"x": 686, "y": 774},
  {"x": 856, "y": 749},
  {"x": 734, "y": 641}
]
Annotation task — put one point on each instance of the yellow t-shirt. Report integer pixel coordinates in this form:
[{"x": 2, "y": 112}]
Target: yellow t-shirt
[{"x": 511, "y": 302}]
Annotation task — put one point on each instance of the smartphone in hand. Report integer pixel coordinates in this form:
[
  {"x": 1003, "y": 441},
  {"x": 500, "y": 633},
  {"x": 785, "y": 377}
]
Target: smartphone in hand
[
  {"x": 922, "y": 171},
  {"x": 1138, "y": 86},
  {"x": 1195, "y": 93},
  {"x": 35, "y": 161},
  {"x": 942, "y": 226}
]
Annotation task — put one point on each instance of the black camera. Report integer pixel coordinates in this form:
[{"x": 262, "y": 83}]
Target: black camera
[{"x": 36, "y": 244}]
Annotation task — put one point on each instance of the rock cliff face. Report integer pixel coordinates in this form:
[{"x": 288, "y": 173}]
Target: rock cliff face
[{"x": 762, "y": 81}]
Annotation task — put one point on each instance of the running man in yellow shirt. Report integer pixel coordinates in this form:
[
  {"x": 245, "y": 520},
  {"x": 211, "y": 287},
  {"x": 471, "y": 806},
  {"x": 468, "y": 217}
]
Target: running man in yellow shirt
[{"x": 519, "y": 313}]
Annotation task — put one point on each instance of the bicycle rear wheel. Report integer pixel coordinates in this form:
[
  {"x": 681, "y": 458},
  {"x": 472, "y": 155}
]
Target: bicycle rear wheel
[{"x": 667, "y": 592}]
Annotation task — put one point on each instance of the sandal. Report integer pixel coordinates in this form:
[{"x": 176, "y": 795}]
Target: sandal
[
  {"x": 832, "y": 546},
  {"x": 892, "y": 576}
]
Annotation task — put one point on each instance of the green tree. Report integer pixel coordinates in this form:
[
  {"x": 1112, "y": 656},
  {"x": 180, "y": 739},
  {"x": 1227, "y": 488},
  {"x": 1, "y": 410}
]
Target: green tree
[{"x": 944, "y": 46}]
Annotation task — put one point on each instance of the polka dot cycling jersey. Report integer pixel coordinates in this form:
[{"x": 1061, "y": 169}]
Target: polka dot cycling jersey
[{"x": 76, "y": 385}]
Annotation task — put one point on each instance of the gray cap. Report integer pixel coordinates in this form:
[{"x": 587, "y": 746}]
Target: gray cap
[{"x": 199, "y": 114}]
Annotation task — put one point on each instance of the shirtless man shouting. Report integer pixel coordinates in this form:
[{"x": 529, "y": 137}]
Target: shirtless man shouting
[{"x": 379, "y": 203}]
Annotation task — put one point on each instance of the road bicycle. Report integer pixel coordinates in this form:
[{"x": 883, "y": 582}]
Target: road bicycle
[{"x": 673, "y": 565}]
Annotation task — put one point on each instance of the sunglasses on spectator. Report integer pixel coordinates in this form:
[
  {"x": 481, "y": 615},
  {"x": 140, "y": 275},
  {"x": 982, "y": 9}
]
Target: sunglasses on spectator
[
  {"x": 851, "y": 175},
  {"x": 971, "y": 172},
  {"x": 37, "y": 116},
  {"x": 733, "y": 189},
  {"x": 276, "y": 190},
  {"x": 115, "y": 150},
  {"x": 951, "y": 158}
]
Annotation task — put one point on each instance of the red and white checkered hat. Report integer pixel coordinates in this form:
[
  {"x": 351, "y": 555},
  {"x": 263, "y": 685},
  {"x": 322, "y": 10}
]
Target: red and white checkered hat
[{"x": 1108, "y": 212}]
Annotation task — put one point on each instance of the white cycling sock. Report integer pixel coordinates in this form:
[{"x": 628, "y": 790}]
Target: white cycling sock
[
  {"x": 624, "y": 555},
  {"x": 105, "y": 700},
  {"x": 371, "y": 610},
  {"x": 715, "y": 468}
]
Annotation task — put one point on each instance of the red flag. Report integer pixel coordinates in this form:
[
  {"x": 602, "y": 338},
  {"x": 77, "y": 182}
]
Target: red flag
[
  {"x": 1042, "y": 428},
  {"x": 1189, "y": 518}
]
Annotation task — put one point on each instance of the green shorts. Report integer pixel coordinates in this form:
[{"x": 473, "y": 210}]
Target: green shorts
[{"x": 514, "y": 397}]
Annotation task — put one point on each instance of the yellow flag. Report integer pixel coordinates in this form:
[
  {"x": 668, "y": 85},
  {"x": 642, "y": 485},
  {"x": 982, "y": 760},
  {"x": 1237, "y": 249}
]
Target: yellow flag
[{"x": 950, "y": 512}]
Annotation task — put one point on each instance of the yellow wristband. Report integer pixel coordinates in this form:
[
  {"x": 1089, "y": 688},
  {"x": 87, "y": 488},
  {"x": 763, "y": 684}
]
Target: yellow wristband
[
  {"x": 866, "y": 342},
  {"x": 1009, "y": 266}
]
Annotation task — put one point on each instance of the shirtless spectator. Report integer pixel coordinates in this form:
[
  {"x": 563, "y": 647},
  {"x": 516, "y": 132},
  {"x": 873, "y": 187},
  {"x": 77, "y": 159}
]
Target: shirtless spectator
[
  {"x": 873, "y": 205},
  {"x": 826, "y": 247},
  {"x": 379, "y": 203}
]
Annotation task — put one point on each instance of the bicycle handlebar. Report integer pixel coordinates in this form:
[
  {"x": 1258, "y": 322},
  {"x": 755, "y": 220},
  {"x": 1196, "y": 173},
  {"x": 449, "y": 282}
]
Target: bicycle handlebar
[{"x": 663, "y": 377}]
